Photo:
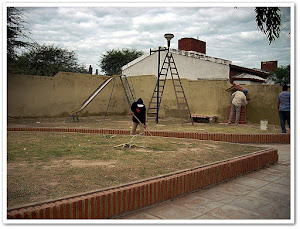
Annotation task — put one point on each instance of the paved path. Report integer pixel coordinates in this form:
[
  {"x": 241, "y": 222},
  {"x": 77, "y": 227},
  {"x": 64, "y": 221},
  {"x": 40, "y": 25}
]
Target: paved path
[{"x": 261, "y": 194}]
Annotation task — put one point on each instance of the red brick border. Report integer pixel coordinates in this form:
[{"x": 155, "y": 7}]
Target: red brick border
[
  {"x": 225, "y": 137},
  {"x": 112, "y": 202}
]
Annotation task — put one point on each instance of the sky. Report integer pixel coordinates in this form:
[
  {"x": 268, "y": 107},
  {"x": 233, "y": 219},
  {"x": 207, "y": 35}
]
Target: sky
[{"x": 229, "y": 30}]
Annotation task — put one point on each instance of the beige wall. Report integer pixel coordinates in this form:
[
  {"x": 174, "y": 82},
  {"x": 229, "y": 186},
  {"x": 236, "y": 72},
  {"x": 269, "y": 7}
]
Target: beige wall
[
  {"x": 263, "y": 103},
  {"x": 34, "y": 96},
  {"x": 203, "y": 97}
]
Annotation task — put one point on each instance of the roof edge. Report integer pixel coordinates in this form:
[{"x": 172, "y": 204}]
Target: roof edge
[{"x": 192, "y": 54}]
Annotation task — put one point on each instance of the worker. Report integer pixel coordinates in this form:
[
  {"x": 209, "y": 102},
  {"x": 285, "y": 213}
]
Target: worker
[
  {"x": 283, "y": 105},
  {"x": 138, "y": 110},
  {"x": 238, "y": 99}
]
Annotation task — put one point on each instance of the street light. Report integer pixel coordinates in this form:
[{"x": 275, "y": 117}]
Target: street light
[{"x": 169, "y": 37}]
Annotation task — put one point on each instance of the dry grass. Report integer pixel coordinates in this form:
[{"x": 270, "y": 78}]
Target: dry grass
[{"x": 43, "y": 166}]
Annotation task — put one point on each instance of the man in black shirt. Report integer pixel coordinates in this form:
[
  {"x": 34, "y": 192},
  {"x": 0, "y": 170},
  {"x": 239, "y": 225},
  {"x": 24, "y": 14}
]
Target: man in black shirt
[{"x": 139, "y": 110}]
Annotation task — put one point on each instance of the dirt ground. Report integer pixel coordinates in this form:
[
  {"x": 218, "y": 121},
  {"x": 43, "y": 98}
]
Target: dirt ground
[{"x": 43, "y": 165}]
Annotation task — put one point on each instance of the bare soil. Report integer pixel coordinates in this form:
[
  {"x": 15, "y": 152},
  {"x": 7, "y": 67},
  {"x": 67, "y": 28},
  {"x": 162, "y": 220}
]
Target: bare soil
[{"x": 43, "y": 166}]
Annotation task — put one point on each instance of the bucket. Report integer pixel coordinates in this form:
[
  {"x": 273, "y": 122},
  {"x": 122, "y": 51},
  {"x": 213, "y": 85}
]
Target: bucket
[{"x": 264, "y": 124}]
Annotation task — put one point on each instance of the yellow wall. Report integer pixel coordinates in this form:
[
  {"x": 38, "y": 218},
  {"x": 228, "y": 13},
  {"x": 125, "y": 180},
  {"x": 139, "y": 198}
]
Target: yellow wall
[
  {"x": 34, "y": 96},
  {"x": 263, "y": 103}
]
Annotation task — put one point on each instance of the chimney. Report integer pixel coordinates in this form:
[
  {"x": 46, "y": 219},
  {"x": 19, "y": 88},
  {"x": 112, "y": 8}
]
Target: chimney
[
  {"x": 90, "y": 69},
  {"x": 270, "y": 66},
  {"x": 191, "y": 44}
]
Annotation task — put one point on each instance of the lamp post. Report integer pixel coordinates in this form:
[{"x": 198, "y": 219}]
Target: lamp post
[{"x": 169, "y": 37}]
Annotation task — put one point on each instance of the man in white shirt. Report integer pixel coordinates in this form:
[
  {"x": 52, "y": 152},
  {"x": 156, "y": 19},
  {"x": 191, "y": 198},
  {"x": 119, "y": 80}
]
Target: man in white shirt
[{"x": 238, "y": 99}]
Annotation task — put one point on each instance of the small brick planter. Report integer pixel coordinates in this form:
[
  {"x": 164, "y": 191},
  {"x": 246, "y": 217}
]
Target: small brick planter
[
  {"x": 111, "y": 202},
  {"x": 242, "y": 120}
]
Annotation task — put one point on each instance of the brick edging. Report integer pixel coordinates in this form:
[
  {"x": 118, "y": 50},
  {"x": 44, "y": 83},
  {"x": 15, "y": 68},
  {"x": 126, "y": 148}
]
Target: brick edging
[
  {"x": 226, "y": 137},
  {"x": 113, "y": 202}
]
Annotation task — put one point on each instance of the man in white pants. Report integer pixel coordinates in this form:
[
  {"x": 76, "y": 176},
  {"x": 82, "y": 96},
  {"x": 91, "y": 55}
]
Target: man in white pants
[{"x": 238, "y": 99}]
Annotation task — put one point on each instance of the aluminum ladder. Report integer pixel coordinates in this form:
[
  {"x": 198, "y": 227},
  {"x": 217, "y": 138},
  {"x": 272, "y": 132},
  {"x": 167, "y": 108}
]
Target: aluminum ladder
[
  {"x": 128, "y": 89},
  {"x": 183, "y": 107}
]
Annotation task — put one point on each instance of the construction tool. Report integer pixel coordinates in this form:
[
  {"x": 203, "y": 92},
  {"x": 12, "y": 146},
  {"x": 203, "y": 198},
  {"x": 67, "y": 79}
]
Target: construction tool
[
  {"x": 141, "y": 123},
  {"x": 169, "y": 66}
]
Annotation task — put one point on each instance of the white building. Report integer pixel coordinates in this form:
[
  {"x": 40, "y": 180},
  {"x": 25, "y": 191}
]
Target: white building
[
  {"x": 193, "y": 63},
  {"x": 190, "y": 64}
]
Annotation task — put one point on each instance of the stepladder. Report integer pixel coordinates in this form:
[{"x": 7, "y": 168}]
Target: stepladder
[
  {"x": 169, "y": 68},
  {"x": 128, "y": 89}
]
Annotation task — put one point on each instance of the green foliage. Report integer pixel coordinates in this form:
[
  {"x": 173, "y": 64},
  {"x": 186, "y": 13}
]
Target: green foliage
[
  {"x": 281, "y": 75},
  {"x": 43, "y": 60},
  {"x": 16, "y": 31},
  {"x": 268, "y": 20},
  {"x": 113, "y": 60},
  {"x": 47, "y": 60}
]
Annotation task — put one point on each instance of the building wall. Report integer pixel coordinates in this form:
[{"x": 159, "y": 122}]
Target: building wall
[
  {"x": 263, "y": 103},
  {"x": 205, "y": 97},
  {"x": 147, "y": 66},
  {"x": 35, "y": 96},
  {"x": 188, "y": 67}
]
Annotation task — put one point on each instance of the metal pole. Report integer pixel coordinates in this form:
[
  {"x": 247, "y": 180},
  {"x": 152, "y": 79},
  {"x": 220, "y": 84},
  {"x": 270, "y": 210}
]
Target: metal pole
[
  {"x": 158, "y": 75},
  {"x": 110, "y": 97}
]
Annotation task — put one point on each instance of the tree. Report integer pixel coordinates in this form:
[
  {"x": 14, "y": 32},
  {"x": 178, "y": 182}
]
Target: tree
[
  {"x": 47, "y": 60},
  {"x": 113, "y": 60},
  {"x": 15, "y": 31},
  {"x": 268, "y": 20},
  {"x": 281, "y": 75}
]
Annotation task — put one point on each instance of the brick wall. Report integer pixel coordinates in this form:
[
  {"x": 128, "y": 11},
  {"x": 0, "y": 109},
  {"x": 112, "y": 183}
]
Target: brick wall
[{"x": 242, "y": 120}]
